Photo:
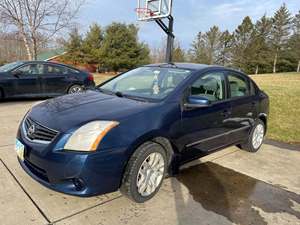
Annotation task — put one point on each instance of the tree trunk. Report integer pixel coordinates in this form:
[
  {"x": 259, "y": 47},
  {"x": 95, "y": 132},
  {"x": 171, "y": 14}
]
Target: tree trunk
[
  {"x": 256, "y": 70},
  {"x": 29, "y": 54},
  {"x": 26, "y": 43},
  {"x": 34, "y": 48},
  {"x": 275, "y": 62},
  {"x": 298, "y": 69}
]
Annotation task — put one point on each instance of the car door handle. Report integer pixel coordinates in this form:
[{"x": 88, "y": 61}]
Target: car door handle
[{"x": 226, "y": 113}]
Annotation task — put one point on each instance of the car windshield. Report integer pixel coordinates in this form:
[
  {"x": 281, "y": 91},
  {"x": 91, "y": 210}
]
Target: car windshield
[
  {"x": 10, "y": 66},
  {"x": 146, "y": 82}
]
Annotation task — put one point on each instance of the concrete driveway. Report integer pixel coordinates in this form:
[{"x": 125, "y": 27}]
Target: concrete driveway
[{"x": 228, "y": 187}]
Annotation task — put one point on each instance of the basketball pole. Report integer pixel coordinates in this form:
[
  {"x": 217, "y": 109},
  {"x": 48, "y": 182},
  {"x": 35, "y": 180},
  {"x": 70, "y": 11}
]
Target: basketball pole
[{"x": 170, "y": 41}]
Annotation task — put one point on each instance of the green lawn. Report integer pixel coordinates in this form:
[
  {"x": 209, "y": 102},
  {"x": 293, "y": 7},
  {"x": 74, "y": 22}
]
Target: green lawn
[
  {"x": 284, "y": 92},
  {"x": 101, "y": 77}
]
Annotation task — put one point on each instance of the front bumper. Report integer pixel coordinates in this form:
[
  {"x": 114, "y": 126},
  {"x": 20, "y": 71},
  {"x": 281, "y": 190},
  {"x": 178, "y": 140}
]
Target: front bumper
[{"x": 80, "y": 174}]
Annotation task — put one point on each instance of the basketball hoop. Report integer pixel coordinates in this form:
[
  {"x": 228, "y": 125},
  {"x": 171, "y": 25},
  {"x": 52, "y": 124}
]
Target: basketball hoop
[
  {"x": 158, "y": 10},
  {"x": 144, "y": 13}
]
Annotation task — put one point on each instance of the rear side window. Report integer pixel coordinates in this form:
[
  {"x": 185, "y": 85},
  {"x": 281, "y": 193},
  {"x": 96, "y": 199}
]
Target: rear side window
[
  {"x": 239, "y": 86},
  {"x": 51, "y": 69}
]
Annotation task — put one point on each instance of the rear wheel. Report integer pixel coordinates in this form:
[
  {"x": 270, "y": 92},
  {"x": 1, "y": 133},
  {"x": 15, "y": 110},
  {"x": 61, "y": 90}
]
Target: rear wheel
[
  {"x": 145, "y": 172},
  {"x": 256, "y": 137},
  {"x": 75, "y": 89}
]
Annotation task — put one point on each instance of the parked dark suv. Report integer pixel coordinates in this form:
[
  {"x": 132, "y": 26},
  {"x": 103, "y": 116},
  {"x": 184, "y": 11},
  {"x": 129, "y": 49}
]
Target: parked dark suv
[
  {"x": 41, "y": 79},
  {"x": 132, "y": 130}
]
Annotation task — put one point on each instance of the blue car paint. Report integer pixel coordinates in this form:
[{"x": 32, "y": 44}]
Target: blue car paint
[{"x": 102, "y": 171}]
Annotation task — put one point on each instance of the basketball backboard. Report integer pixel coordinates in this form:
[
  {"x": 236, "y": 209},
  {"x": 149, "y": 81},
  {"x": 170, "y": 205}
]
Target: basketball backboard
[{"x": 153, "y": 9}]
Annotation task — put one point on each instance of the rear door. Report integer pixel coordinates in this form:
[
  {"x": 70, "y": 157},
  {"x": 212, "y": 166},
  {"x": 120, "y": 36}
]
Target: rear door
[
  {"x": 204, "y": 129},
  {"x": 55, "y": 79},
  {"x": 28, "y": 81},
  {"x": 243, "y": 106}
]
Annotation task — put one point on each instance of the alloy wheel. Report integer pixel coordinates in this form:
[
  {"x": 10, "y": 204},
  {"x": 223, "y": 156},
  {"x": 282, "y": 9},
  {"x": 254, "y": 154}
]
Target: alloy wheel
[
  {"x": 258, "y": 136},
  {"x": 150, "y": 174},
  {"x": 75, "y": 89}
]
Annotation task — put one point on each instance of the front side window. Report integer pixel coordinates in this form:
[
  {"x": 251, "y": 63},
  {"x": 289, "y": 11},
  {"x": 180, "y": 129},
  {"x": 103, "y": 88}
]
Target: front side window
[
  {"x": 147, "y": 82},
  {"x": 32, "y": 69},
  {"x": 238, "y": 86},
  {"x": 210, "y": 86}
]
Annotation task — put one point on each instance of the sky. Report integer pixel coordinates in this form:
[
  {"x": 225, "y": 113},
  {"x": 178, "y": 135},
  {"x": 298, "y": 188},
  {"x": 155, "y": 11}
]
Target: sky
[{"x": 191, "y": 16}]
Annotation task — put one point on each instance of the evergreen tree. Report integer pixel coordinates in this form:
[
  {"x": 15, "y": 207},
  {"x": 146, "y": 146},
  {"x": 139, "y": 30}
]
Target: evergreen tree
[
  {"x": 207, "y": 47},
  {"x": 73, "y": 47},
  {"x": 294, "y": 41},
  {"x": 226, "y": 41},
  {"x": 292, "y": 54},
  {"x": 280, "y": 33},
  {"x": 296, "y": 23},
  {"x": 212, "y": 44},
  {"x": 178, "y": 53},
  {"x": 242, "y": 50},
  {"x": 261, "y": 44},
  {"x": 121, "y": 48},
  {"x": 92, "y": 44},
  {"x": 197, "y": 51}
]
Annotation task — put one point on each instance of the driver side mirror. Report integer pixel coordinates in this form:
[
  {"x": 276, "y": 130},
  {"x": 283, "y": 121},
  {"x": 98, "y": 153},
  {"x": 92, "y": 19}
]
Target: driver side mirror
[
  {"x": 194, "y": 101},
  {"x": 17, "y": 73}
]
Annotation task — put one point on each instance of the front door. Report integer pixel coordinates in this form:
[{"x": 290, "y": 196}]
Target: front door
[
  {"x": 28, "y": 81},
  {"x": 243, "y": 107},
  {"x": 204, "y": 129}
]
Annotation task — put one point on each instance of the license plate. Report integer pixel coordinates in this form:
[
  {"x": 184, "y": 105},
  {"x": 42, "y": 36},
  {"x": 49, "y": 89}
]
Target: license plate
[{"x": 20, "y": 149}]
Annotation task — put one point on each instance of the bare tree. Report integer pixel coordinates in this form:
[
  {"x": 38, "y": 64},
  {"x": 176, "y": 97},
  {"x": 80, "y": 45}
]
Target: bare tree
[{"x": 37, "y": 21}]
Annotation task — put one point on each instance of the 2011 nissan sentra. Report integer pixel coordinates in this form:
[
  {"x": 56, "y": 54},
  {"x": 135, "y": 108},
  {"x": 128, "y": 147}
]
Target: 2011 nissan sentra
[{"x": 131, "y": 131}]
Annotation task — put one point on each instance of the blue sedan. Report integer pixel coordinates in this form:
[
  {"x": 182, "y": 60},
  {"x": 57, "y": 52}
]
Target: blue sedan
[{"x": 132, "y": 130}]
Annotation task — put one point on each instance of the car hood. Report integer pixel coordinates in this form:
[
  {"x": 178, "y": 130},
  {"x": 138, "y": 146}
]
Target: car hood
[
  {"x": 3, "y": 75},
  {"x": 70, "y": 111}
]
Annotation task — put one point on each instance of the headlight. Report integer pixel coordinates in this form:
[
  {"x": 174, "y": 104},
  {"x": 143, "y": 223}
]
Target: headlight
[{"x": 88, "y": 137}]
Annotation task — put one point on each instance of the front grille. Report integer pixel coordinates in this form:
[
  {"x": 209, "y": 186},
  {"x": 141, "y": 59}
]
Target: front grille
[
  {"x": 36, "y": 132},
  {"x": 39, "y": 172}
]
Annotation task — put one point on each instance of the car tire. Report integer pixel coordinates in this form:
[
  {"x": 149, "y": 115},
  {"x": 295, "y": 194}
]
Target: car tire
[
  {"x": 1, "y": 94},
  {"x": 135, "y": 185},
  {"x": 75, "y": 89},
  {"x": 256, "y": 137}
]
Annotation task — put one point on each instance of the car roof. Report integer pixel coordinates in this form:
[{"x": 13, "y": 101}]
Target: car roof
[
  {"x": 52, "y": 63},
  {"x": 191, "y": 66}
]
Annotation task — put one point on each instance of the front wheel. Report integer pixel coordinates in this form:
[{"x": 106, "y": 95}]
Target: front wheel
[
  {"x": 256, "y": 137},
  {"x": 145, "y": 172}
]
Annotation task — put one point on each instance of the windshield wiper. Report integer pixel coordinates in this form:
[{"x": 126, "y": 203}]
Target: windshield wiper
[
  {"x": 122, "y": 95},
  {"x": 105, "y": 91},
  {"x": 136, "y": 98}
]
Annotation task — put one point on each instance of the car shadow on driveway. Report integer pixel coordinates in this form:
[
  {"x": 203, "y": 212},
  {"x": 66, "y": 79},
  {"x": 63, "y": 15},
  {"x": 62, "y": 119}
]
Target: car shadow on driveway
[{"x": 239, "y": 198}]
